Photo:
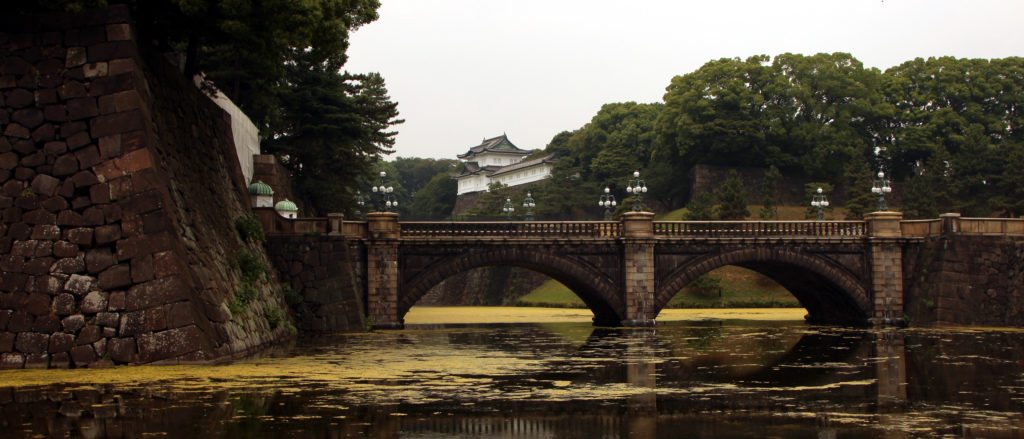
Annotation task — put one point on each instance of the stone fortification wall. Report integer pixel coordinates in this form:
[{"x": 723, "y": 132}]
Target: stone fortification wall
[
  {"x": 966, "y": 280},
  {"x": 326, "y": 275},
  {"x": 118, "y": 192}
]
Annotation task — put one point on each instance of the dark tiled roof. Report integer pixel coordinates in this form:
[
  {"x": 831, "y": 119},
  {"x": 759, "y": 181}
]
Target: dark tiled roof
[
  {"x": 496, "y": 144},
  {"x": 546, "y": 159},
  {"x": 475, "y": 168}
]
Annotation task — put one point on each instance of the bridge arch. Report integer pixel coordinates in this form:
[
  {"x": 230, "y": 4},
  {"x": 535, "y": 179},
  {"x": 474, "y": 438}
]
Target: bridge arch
[
  {"x": 597, "y": 290},
  {"x": 828, "y": 292}
]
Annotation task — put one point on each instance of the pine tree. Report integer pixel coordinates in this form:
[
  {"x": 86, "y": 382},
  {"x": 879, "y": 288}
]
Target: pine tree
[
  {"x": 733, "y": 199},
  {"x": 700, "y": 208},
  {"x": 859, "y": 199},
  {"x": 770, "y": 193}
]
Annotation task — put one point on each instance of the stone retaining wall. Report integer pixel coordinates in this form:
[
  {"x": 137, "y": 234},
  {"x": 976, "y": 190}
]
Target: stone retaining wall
[
  {"x": 118, "y": 193},
  {"x": 324, "y": 273},
  {"x": 966, "y": 280}
]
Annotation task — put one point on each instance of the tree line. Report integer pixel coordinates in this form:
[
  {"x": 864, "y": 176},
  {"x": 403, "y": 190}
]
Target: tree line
[{"x": 946, "y": 130}]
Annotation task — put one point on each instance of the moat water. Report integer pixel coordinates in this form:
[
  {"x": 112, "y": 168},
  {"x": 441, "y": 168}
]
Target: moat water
[{"x": 707, "y": 374}]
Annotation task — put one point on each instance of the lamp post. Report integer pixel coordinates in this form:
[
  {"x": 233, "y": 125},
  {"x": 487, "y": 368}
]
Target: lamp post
[
  {"x": 360, "y": 203},
  {"x": 880, "y": 188},
  {"x": 637, "y": 187},
  {"x": 387, "y": 196},
  {"x": 819, "y": 202},
  {"x": 607, "y": 201},
  {"x": 508, "y": 209},
  {"x": 529, "y": 204}
]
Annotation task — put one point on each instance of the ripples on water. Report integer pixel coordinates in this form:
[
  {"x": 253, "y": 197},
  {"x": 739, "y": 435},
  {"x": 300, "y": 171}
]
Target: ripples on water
[{"x": 713, "y": 378}]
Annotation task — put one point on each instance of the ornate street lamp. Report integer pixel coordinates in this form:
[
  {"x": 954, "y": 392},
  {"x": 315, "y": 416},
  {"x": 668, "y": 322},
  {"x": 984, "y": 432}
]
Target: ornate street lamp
[
  {"x": 360, "y": 203},
  {"x": 607, "y": 201},
  {"x": 529, "y": 204},
  {"x": 637, "y": 187},
  {"x": 880, "y": 188},
  {"x": 819, "y": 202},
  {"x": 508, "y": 209},
  {"x": 387, "y": 196}
]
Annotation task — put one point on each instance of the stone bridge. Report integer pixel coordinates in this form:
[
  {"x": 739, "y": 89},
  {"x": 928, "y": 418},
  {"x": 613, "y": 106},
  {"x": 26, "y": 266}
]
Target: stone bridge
[{"x": 842, "y": 272}]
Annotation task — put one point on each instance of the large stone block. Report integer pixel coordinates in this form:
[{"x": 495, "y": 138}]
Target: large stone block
[
  {"x": 170, "y": 343},
  {"x": 79, "y": 285},
  {"x": 139, "y": 322},
  {"x": 115, "y": 277},
  {"x": 73, "y": 323},
  {"x": 97, "y": 260},
  {"x": 122, "y": 350},
  {"x": 156, "y": 292},
  {"x": 60, "y": 342},
  {"x": 12, "y": 361},
  {"x": 31, "y": 342},
  {"x": 94, "y": 302},
  {"x": 83, "y": 356}
]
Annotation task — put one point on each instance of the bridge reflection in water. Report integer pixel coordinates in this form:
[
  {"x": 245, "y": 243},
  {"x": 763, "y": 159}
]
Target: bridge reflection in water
[{"x": 560, "y": 380}]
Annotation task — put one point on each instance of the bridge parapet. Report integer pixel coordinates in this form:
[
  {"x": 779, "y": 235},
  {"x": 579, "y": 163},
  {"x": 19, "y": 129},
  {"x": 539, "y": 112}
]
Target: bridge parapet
[
  {"x": 989, "y": 226},
  {"x": 511, "y": 229},
  {"x": 746, "y": 229}
]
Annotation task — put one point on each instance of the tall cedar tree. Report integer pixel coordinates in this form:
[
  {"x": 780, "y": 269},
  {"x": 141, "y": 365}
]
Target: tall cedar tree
[{"x": 732, "y": 198}]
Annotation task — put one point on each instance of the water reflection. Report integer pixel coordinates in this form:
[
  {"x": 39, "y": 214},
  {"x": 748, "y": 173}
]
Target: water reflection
[{"x": 708, "y": 379}]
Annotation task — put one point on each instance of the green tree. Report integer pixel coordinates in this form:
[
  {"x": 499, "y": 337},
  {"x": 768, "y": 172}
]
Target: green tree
[
  {"x": 1010, "y": 183},
  {"x": 490, "y": 203},
  {"x": 859, "y": 199},
  {"x": 435, "y": 201},
  {"x": 732, "y": 198},
  {"x": 335, "y": 133},
  {"x": 929, "y": 191},
  {"x": 701, "y": 207},
  {"x": 770, "y": 194}
]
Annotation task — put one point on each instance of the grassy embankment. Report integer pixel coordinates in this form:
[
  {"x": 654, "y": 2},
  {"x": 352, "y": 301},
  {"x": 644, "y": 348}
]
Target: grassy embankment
[{"x": 739, "y": 287}]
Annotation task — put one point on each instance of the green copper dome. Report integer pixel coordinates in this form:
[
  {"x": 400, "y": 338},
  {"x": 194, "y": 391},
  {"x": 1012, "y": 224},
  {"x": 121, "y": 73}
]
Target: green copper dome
[
  {"x": 286, "y": 205},
  {"x": 258, "y": 187}
]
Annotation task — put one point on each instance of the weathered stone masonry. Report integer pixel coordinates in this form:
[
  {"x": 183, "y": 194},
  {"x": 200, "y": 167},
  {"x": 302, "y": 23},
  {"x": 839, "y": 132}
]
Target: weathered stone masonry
[{"x": 110, "y": 164}]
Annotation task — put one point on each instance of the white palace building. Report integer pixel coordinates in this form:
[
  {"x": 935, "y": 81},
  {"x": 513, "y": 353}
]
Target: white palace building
[{"x": 498, "y": 160}]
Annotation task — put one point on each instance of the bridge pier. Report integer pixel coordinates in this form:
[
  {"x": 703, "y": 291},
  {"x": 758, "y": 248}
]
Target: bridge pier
[
  {"x": 638, "y": 268},
  {"x": 382, "y": 271},
  {"x": 886, "y": 256}
]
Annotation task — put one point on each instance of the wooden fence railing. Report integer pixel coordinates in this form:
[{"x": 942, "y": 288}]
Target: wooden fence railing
[
  {"x": 512, "y": 229},
  {"x": 759, "y": 228}
]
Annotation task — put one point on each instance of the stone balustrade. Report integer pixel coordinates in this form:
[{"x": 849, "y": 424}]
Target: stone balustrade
[
  {"x": 759, "y": 228},
  {"x": 512, "y": 229}
]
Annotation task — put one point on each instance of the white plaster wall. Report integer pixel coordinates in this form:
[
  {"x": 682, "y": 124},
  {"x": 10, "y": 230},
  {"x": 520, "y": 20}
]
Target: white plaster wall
[{"x": 245, "y": 133}]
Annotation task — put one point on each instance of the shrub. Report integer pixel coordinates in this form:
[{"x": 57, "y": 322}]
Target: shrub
[
  {"x": 274, "y": 317},
  {"x": 249, "y": 228},
  {"x": 243, "y": 297},
  {"x": 251, "y": 266}
]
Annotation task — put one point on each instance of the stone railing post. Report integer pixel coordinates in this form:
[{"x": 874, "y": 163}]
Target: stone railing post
[
  {"x": 335, "y": 222},
  {"x": 950, "y": 223},
  {"x": 884, "y": 235},
  {"x": 638, "y": 268},
  {"x": 382, "y": 270}
]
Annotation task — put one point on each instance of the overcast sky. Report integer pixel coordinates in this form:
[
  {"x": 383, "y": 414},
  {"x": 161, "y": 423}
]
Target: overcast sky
[{"x": 463, "y": 70}]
